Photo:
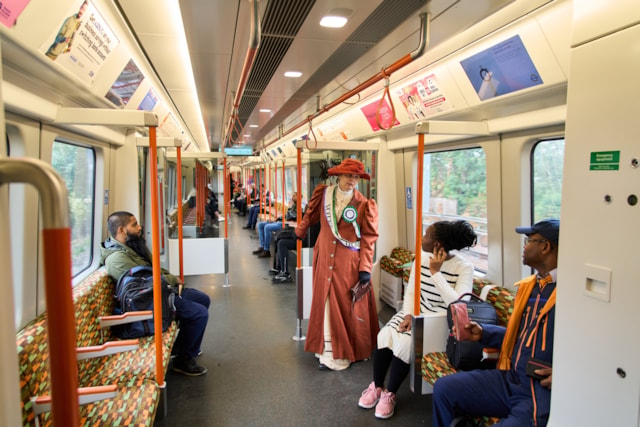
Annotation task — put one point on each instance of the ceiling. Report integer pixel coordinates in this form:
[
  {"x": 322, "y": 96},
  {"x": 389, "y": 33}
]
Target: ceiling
[{"x": 332, "y": 61}]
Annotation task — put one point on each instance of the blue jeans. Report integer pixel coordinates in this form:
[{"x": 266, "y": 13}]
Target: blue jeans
[
  {"x": 253, "y": 216},
  {"x": 264, "y": 233},
  {"x": 192, "y": 310}
]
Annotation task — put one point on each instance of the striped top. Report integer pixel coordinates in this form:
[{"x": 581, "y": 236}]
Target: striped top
[{"x": 438, "y": 291}]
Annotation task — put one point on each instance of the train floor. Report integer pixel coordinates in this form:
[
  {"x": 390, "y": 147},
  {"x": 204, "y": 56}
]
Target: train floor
[{"x": 258, "y": 375}]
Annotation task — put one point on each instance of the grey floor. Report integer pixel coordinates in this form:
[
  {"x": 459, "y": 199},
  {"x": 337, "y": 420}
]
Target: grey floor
[{"x": 258, "y": 375}]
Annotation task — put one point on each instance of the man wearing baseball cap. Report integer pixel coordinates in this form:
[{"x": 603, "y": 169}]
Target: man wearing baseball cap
[{"x": 517, "y": 395}]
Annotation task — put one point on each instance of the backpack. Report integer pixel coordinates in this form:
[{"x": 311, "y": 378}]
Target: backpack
[
  {"x": 468, "y": 355},
  {"x": 134, "y": 292}
]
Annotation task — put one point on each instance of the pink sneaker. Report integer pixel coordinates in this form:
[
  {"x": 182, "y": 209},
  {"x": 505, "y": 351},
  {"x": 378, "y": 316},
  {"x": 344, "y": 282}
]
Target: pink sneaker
[
  {"x": 370, "y": 396},
  {"x": 386, "y": 405}
]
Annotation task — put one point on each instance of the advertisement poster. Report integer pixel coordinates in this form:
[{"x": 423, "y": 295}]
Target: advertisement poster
[
  {"x": 334, "y": 130},
  {"x": 10, "y": 10},
  {"x": 423, "y": 98},
  {"x": 82, "y": 43},
  {"x": 168, "y": 127},
  {"x": 386, "y": 114},
  {"x": 501, "y": 69},
  {"x": 125, "y": 85},
  {"x": 149, "y": 101}
]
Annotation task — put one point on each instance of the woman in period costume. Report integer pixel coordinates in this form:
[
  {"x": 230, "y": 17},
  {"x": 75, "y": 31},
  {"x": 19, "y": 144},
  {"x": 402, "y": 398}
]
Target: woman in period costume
[{"x": 340, "y": 330}]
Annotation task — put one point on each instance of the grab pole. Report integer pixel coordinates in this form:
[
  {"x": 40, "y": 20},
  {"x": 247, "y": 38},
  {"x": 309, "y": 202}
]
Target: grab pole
[
  {"x": 418, "y": 262},
  {"x": 61, "y": 320},
  {"x": 155, "y": 254},
  {"x": 299, "y": 272}
]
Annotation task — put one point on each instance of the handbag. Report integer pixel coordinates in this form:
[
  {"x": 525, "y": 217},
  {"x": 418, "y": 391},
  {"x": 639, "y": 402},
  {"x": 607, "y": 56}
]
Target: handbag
[
  {"x": 358, "y": 291},
  {"x": 468, "y": 355}
]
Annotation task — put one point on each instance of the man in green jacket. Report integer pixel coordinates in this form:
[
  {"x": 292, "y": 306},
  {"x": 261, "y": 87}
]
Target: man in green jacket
[{"x": 126, "y": 248}]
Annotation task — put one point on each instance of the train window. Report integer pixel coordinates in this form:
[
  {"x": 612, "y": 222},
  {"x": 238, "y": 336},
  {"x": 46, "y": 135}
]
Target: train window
[
  {"x": 77, "y": 166},
  {"x": 547, "y": 159},
  {"x": 172, "y": 196},
  {"x": 449, "y": 195}
]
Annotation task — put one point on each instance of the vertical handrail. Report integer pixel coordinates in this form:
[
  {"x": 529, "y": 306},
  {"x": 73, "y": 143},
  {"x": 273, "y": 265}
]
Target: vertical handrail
[
  {"x": 227, "y": 197},
  {"x": 268, "y": 203},
  {"x": 56, "y": 237},
  {"x": 284, "y": 198},
  {"x": 299, "y": 206},
  {"x": 155, "y": 254},
  {"x": 179, "y": 193},
  {"x": 418, "y": 261}
]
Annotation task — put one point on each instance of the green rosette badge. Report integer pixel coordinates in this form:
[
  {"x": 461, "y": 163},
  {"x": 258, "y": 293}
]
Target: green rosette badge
[{"x": 349, "y": 214}]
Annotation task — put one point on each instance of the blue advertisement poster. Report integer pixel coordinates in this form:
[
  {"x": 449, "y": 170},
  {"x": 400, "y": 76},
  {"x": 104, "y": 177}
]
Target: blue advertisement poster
[{"x": 501, "y": 69}]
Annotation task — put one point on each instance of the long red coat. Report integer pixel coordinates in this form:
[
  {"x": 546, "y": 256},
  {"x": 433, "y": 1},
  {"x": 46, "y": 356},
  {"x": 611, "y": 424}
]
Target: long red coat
[{"x": 335, "y": 272}]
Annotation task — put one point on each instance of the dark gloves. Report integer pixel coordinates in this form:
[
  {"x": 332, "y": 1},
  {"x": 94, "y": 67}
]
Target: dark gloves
[{"x": 364, "y": 277}]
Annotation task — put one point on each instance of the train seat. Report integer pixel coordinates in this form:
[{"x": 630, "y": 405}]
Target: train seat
[
  {"x": 392, "y": 271},
  {"x": 435, "y": 364},
  {"x": 132, "y": 371}
]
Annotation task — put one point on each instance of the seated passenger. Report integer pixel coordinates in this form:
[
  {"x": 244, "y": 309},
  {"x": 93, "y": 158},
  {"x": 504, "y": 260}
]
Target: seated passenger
[
  {"x": 444, "y": 277},
  {"x": 126, "y": 248},
  {"x": 212, "y": 208},
  {"x": 508, "y": 392},
  {"x": 266, "y": 228}
]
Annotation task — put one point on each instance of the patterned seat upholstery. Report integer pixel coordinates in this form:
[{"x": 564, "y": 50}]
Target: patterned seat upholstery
[
  {"x": 399, "y": 259},
  {"x": 436, "y": 365},
  {"x": 133, "y": 371}
]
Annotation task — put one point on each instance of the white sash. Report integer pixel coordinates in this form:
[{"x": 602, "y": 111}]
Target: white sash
[{"x": 349, "y": 214}]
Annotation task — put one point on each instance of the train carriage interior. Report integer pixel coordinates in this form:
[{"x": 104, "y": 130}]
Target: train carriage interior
[{"x": 207, "y": 120}]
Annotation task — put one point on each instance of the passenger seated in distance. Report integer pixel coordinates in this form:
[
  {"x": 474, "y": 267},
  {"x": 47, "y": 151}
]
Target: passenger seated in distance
[
  {"x": 508, "y": 392},
  {"x": 443, "y": 278},
  {"x": 126, "y": 248},
  {"x": 265, "y": 229}
]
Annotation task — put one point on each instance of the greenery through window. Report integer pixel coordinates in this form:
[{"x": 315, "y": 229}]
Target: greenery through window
[
  {"x": 77, "y": 166},
  {"x": 546, "y": 170},
  {"x": 455, "y": 187}
]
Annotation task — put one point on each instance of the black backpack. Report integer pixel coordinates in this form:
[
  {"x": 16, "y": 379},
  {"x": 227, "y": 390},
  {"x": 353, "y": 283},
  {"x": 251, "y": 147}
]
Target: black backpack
[
  {"x": 134, "y": 292},
  {"x": 467, "y": 355}
]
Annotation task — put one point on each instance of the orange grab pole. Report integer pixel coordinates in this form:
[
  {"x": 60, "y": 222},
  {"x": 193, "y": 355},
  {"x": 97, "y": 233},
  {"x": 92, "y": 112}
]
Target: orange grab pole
[
  {"x": 155, "y": 253},
  {"x": 418, "y": 262},
  {"x": 269, "y": 190},
  {"x": 180, "y": 219},
  {"x": 284, "y": 198},
  {"x": 227, "y": 197},
  {"x": 61, "y": 326},
  {"x": 299, "y": 206}
]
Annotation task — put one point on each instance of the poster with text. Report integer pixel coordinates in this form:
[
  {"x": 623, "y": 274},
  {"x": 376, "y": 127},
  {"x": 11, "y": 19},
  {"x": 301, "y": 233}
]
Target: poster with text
[
  {"x": 423, "y": 98},
  {"x": 503, "y": 68},
  {"x": 370, "y": 111},
  {"x": 10, "y": 10},
  {"x": 82, "y": 43}
]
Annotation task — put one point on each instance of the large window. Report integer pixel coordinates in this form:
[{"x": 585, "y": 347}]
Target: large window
[
  {"x": 546, "y": 178},
  {"x": 455, "y": 187},
  {"x": 77, "y": 167}
]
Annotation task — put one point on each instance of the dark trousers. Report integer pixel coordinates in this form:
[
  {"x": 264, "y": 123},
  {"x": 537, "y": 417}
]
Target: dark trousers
[
  {"x": 489, "y": 392},
  {"x": 192, "y": 310},
  {"x": 283, "y": 251}
]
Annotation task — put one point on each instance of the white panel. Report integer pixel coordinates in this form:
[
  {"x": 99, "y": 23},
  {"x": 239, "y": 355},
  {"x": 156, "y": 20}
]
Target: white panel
[
  {"x": 596, "y": 374},
  {"x": 200, "y": 256},
  {"x": 593, "y": 19}
]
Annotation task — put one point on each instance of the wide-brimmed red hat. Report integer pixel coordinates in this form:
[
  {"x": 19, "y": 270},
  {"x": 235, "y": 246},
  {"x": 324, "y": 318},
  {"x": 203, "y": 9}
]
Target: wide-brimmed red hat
[{"x": 349, "y": 166}]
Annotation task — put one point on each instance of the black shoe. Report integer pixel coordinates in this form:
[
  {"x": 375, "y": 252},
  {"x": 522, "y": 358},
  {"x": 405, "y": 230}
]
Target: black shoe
[
  {"x": 188, "y": 367},
  {"x": 247, "y": 227},
  {"x": 265, "y": 254},
  {"x": 274, "y": 271},
  {"x": 258, "y": 251}
]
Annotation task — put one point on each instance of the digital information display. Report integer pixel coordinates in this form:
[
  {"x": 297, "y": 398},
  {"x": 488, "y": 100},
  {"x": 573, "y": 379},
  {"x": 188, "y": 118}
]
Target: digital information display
[
  {"x": 501, "y": 69},
  {"x": 238, "y": 151}
]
